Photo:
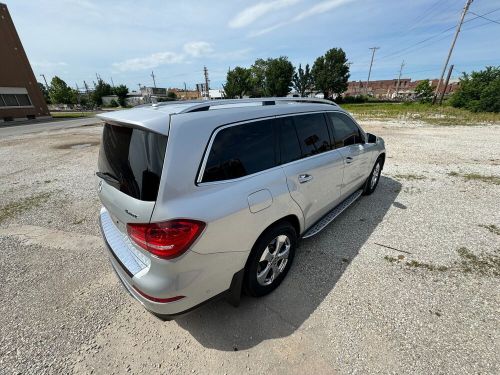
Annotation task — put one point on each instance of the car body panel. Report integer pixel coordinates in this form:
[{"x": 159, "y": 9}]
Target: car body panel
[
  {"x": 322, "y": 192},
  {"x": 236, "y": 211}
]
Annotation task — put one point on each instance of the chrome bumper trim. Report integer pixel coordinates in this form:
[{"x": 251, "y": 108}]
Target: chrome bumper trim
[{"x": 121, "y": 246}]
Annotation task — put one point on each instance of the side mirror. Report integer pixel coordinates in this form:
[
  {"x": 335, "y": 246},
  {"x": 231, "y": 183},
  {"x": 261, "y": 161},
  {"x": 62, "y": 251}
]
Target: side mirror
[{"x": 372, "y": 138}]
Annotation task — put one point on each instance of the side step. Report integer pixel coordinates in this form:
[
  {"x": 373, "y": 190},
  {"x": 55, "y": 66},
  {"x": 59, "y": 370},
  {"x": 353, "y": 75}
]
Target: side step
[{"x": 330, "y": 216}]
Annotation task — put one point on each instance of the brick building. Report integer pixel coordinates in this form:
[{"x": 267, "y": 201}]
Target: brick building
[
  {"x": 386, "y": 89},
  {"x": 20, "y": 96}
]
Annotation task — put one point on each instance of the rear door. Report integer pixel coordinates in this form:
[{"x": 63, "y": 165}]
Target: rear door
[
  {"x": 129, "y": 170},
  {"x": 312, "y": 168},
  {"x": 350, "y": 142}
]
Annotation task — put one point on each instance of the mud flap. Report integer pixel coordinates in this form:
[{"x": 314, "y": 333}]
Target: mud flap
[{"x": 234, "y": 293}]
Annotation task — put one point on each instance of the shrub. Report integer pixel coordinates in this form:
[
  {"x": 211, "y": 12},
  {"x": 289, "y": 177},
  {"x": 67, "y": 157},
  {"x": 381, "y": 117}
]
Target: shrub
[
  {"x": 479, "y": 91},
  {"x": 424, "y": 91},
  {"x": 348, "y": 99}
]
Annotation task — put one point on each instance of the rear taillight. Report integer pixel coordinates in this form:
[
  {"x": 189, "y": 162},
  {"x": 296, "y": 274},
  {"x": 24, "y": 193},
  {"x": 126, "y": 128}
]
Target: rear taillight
[{"x": 166, "y": 240}]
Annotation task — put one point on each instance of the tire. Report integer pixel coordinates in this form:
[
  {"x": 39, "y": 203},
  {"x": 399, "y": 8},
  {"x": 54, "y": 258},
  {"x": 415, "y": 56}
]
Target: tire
[
  {"x": 267, "y": 265},
  {"x": 372, "y": 180}
]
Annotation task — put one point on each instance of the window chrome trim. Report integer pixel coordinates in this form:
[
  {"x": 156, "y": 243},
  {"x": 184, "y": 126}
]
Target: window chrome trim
[{"x": 217, "y": 130}]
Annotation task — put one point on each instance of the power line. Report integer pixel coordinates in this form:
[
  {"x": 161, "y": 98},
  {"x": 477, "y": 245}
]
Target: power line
[
  {"x": 435, "y": 35},
  {"x": 426, "y": 13},
  {"x": 487, "y": 19}
]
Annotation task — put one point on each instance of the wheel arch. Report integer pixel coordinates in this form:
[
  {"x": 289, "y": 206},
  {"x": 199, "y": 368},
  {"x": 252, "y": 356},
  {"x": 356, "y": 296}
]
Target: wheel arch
[{"x": 291, "y": 219}]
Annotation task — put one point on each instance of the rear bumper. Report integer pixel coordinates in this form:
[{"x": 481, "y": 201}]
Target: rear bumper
[{"x": 197, "y": 277}]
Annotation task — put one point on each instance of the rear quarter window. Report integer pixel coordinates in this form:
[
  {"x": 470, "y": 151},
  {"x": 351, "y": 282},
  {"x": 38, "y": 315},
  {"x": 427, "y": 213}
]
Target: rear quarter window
[{"x": 241, "y": 150}]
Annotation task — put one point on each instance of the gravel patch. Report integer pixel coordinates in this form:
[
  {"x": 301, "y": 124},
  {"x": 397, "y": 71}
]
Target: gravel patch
[{"x": 405, "y": 281}]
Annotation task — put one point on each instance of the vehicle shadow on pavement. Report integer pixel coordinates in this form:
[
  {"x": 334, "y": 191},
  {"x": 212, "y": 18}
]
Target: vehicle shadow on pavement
[{"x": 319, "y": 263}]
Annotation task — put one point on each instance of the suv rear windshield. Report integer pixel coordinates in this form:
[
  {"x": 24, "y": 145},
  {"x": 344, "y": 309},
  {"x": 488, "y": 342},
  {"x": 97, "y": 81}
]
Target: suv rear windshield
[{"x": 131, "y": 160}]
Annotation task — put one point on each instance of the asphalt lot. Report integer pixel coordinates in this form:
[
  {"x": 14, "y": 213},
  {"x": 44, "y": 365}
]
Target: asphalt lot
[{"x": 407, "y": 280}]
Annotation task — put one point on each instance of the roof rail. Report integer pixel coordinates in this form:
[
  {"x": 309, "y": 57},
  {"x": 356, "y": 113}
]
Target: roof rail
[{"x": 205, "y": 105}]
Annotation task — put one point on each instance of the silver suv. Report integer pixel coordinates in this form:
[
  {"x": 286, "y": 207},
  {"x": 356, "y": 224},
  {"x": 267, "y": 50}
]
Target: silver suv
[{"x": 203, "y": 199}]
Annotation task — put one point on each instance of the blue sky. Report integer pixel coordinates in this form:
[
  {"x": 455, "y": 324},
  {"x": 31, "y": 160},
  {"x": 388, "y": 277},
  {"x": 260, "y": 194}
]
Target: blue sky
[{"x": 127, "y": 39}]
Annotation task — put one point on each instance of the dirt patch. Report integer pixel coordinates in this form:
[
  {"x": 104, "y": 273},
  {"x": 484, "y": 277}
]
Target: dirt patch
[
  {"x": 495, "y": 180},
  {"x": 483, "y": 264},
  {"x": 76, "y": 145},
  {"x": 15, "y": 208}
]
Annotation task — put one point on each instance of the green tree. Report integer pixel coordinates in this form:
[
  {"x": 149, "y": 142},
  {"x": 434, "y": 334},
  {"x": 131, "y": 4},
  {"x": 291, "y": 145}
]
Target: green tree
[
  {"x": 258, "y": 78},
  {"x": 479, "y": 91},
  {"x": 171, "y": 95},
  {"x": 60, "y": 92},
  {"x": 45, "y": 92},
  {"x": 331, "y": 72},
  {"x": 303, "y": 81},
  {"x": 424, "y": 91},
  {"x": 279, "y": 74},
  {"x": 101, "y": 89},
  {"x": 238, "y": 83},
  {"x": 271, "y": 77},
  {"x": 121, "y": 91}
]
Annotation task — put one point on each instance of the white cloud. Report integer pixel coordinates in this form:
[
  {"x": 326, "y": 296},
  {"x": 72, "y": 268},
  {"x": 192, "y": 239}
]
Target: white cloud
[
  {"x": 193, "y": 49},
  {"x": 48, "y": 64},
  {"x": 249, "y": 15},
  {"x": 149, "y": 62},
  {"x": 322, "y": 7},
  {"x": 197, "y": 49}
]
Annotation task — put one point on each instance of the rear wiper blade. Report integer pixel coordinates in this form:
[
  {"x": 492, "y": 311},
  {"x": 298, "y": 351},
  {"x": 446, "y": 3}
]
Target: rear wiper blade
[{"x": 107, "y": 177}]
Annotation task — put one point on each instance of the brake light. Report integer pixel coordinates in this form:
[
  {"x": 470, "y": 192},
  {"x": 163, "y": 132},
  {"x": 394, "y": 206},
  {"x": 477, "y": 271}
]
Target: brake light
[{"x": 168, "y": 239}]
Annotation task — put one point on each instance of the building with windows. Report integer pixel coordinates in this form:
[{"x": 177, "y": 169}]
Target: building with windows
[
  {"x": 389, "y": 89},
  {"x": 20, "y": 96}
]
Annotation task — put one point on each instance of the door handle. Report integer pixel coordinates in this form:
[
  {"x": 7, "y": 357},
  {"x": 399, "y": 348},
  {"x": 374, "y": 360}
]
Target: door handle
[
  {"x": 305, "y": 178},
  {"x": 349, "y": 160}
]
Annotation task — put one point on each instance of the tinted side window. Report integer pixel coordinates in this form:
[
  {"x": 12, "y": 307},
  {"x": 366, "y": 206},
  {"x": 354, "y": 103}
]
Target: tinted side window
[
  {"x": 241, "y": 150},
  {"x": 289, "y": 143},
  {"x": 346, "y": 131},
  {"x": 313, "y": 134}
]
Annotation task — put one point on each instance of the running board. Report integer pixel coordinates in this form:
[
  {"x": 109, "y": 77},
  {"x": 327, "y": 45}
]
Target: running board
[{"x": 330, "y": 216}]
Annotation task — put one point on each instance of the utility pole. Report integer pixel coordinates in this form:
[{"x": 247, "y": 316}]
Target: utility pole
[
  {"x": 446, "y": 84},
  {"x": 112, "y": 83},
  {"x": 45, "y": 79},
  {"x": 459, "y": 26},
  {"x": 399, "y": 78},
  {"x": 153, "y": 75},
  {"x": 87, "y": 91},
  {"x": 370, "y": 71},
  {"x": 77, "y": 94},
  {"x": 205, "y": 72}
]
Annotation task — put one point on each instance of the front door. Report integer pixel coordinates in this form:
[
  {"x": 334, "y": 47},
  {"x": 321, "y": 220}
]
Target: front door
[{"x": 350, "y": 142}]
